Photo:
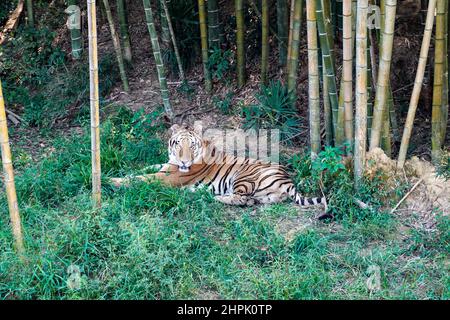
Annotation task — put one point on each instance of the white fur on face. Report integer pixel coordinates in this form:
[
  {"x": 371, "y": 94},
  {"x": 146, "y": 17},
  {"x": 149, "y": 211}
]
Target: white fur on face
[{"x": 195, "y": 149}]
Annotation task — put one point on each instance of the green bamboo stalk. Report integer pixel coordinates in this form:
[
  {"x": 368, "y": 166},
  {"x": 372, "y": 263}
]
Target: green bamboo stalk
[
  {"x": 258, "y": 13},
  {"x": 438, "y": 84},
  {"x": 393, "y": 117},
  {"x": 204, "y": 43},
  {"x": 371, "y": 69},
  {"x": 386, "y": 143},
  {"x": 165, "y": 32},
  {"x": 174, "y": 40},
  {"x": 291, "y": 32},
  {"x": 417, "y": 84},
  {"x": 117, "y": 46},
  {"x": 8, "y": 176},
  {"x": 30, "y": 14},
  {"x": 327, "y": 13},
  {"x": 240, "y": 41},
  {"x": 445, "y": 98},
  {"x": 328, "y": 9},
  {"x": 295, "y": 46},
  {"x": 381, "y": 97},
  {"x": 75, "y": 33},
  {"x": 282, "y": 30},
  {"x": 334, "y": 16},
  {"x": 124, "y": 34},
  {"x": 264, "y": 40},
  {"x": 313, "y": 75},
  {"x": 347, "y": 73},
  {"x": 213, "y": 24},
  {"x": 361, "y": 92},
  {"x": 158, "y": 59},
  {"x": 372, "y": 75},
  {"x": 94, "y": 104},
  {"x": 327, "y": 112},
  {"x": 327, "y": 52}
]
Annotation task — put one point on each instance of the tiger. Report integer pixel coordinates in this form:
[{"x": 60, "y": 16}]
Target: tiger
[{"x": 195, "y": 161}]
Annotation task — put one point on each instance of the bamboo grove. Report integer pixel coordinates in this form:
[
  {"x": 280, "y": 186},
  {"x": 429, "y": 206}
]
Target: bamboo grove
[{"x": 352, "y": 103}]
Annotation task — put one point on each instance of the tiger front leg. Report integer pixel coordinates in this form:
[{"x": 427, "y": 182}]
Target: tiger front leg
[
  {"x": 165, "y": 175},
  {"x": 236, "y": 200},
  {"x": 119, "y": 182}
]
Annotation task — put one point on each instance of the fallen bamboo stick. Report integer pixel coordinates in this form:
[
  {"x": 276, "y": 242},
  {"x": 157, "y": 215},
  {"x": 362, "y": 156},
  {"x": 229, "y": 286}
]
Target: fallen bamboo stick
[
  {"x": 12, "y": 22},
  {"x": 407, "y": 195}
]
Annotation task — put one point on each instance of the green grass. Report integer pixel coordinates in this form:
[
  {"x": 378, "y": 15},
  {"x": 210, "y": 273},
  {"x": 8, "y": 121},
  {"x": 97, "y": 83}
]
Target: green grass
[{"x": 153, "y": 242}]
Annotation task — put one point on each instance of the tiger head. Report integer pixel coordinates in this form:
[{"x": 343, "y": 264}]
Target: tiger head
[{"x": 186, "y": 146}]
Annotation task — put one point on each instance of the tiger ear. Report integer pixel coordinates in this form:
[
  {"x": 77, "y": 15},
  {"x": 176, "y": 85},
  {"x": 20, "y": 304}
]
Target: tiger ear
[
  {"x": 198, "y": 127},
  {"x": 174, "y": 129}
]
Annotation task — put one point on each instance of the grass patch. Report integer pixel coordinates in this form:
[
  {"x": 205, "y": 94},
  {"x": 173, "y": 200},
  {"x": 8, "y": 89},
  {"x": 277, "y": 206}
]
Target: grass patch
[{"x": 153, "y": 242}]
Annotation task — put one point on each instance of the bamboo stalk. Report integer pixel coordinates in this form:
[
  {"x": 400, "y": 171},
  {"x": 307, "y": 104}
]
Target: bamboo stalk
[
  {"x": 117, "y": 46},
  {"x": 445, "y": 98},
  {"x": 384, "y": 70},
  {"x": 361, "y": 91},
  {"x": 328, "y": 11},
  {"x": 371, "y": 68},
  {"x": 372, "y": 75},
  {"x": 30, "y": 14},
  {"x": 329, "y": 28},
  {"x": 75, "y": 33},
  {"x": 291, "y": 31},
  {"x": 347, "y": 73},
  {"x": 313, "y": 74},
  {"x": 94, "y": 102},
  {"x": 8, "y": 176},
  {"x": 438, "y": 83},
  {"x": 264, "y": 40},
  {"x": 124, "y": 34},
  {"x": 165, "y": 33},
  {"x": 158, "y": 59},
  {"x": 295, "y": 46},
  {"x": 174, "y": 40},
  {"x": 393, "y": 117},
  {"x": 417, "y": 84},
  {"x": 213, "y": 24},
  {"x": 258, "y": 13},
  {"x": 386, "y": 142},
  {"x": 327, "y": 112},
  {"x": 327, "y": 53},
  {"x": 240, "y": 41},
  {"x": 204, "y": 43},
  {"x": 282, "y": 30}
]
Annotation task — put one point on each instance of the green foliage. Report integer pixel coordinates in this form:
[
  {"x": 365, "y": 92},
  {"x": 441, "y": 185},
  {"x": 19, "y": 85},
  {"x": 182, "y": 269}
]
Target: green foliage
[
  {"x": 424, "y": 241},
  {"x": 329, "y": 171},
  {"x": 224, "y": 104},
  {"x": 128, "y": 141},
  {"x": 186, "y": 89},
  {"x": 443, "y": 167},
  {"x": 149, "y": 241},
  {"x": 37, "y": 79},
  {"x": 276, "y": 110},
  {"x": 29, "y": 59},
  {"x": 6, "y": 6},
  {"x": 219, "y": 63},
  {"x": 185, "y": 23}
]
